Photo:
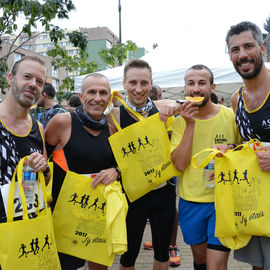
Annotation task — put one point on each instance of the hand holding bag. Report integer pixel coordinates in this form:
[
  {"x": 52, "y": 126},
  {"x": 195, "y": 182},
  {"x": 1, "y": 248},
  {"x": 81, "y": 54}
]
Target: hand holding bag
[
  {"x": 81, "y": 220},
  {"x": 28, "y": 243},
  {"x": 142, "y": 152}
]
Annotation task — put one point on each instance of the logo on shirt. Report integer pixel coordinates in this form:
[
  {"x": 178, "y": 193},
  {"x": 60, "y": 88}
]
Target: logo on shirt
[
  {"x": 266, "y": 124},
  {"x": 220, "y": 139}
]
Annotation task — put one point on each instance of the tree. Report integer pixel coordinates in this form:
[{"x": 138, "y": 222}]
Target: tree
[
  {"x": 75, "y": 65},
  {"x": 33, "y": 13},
  {"x": 116, "y": 55},
  {"x": 266, "y": 25}
]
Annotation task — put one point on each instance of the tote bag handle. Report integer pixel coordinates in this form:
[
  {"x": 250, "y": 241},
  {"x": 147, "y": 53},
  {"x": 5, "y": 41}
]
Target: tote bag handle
[
  {"x": 19, "y": 172},
  {"x": 136, "y": 114}
]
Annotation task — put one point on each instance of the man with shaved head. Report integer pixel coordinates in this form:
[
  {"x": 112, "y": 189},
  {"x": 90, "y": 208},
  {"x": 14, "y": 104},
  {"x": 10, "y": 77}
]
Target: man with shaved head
[{"x": 82, "y": 136}]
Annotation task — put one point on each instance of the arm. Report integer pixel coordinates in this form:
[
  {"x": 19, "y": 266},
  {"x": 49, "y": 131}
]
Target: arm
[
  {"x": 182, "y": 154},
  {"x": 263, "y": 155},
  {"x": 116, "y": 113},
  {"x": 39, "y": 162},
  {"x": 58, "y": 130},
  {"x": 234, "y": 100}
]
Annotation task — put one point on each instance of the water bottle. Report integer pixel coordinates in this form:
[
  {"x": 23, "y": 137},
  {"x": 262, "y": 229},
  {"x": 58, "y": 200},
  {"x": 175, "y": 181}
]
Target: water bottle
[
  {"x": 208, "y": 174},
  {"x": 28, "y": 183}
]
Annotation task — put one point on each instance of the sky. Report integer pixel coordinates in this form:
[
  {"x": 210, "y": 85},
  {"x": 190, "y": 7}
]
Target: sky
[{"x": 187, "y": 31}]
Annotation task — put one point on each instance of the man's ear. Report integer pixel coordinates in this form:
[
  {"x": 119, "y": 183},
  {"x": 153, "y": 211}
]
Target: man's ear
[
  {"x": 9, "y": 78},
  {"x": 213, "y": 88}
]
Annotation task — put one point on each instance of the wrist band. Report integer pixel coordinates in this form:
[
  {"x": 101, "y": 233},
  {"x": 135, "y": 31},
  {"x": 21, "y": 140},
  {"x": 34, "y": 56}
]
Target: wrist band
[{"x": 118, "y": 173}]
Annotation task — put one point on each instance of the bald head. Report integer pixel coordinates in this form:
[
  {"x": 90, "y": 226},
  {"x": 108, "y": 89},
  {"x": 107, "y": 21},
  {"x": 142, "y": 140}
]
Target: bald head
[{"x": 91, "y": 77}]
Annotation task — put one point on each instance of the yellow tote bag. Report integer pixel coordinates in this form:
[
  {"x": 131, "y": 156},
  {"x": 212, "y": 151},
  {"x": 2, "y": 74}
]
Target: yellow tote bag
[
  {"x": 79, "y": 219},
  {"x": 241, "y": 195},
  {"x": 28, "y": 243},
  {"x": 142, "y": 152}
]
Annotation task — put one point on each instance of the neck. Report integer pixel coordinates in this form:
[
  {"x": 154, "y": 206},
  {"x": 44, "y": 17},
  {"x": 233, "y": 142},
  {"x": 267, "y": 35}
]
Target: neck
[
  {"x": 208, "y": 111},
  {"x": 260, "y": 82},
  {"x": 49, "y": 104},
  {"x": 13, "y": 109}
]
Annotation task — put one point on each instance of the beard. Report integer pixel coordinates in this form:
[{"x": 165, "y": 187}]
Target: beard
[
  {"x": 23, "y": 100},
  {"x": 257, "y": 68}
]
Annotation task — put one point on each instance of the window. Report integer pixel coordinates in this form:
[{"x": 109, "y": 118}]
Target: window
[
  {"x": 54, "y": 71},
  {"x": 17, "y": 57},
  {"x": 55, "y": 84}
]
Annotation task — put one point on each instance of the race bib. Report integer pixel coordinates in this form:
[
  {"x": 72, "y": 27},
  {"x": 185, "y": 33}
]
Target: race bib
[{"x": 31, "y": 207}]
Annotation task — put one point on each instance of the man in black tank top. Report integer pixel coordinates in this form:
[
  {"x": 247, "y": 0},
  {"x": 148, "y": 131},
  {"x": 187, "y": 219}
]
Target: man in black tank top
[
  {"x": 252, "y": 107},
  {"x": 158, "y": 205},
  {"x": 20, "y": 134},
  {"x": 83, "y": 137}
]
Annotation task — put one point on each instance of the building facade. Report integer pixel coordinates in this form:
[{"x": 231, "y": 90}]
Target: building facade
[{"x": 54, "y": 76}]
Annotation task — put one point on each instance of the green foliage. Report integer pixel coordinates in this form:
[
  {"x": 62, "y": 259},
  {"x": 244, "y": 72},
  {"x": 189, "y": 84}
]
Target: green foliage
[
  {"x": 266, "y": 25},
  {"x": 31, "y": 13},
  {"x": 116, "y": 55}
]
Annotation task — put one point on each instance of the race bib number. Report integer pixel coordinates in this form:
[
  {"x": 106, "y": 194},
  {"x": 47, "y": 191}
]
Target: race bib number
[{"x": 31, "y": 207}]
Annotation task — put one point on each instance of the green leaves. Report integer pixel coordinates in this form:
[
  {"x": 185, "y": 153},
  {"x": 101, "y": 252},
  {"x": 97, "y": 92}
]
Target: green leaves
[
  {"x": 23, "y": 16},
  {"x": 116, "y": 55}
]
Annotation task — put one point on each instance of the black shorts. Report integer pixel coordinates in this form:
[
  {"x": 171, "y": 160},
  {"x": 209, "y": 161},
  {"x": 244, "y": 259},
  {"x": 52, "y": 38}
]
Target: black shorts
[
  {"x": 69, "y": 262},
  {"x": 159, "y": 207}
]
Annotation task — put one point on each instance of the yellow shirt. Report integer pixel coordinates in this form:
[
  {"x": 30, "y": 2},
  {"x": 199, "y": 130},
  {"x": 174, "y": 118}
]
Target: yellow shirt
[{"x": 220, "y": 129}]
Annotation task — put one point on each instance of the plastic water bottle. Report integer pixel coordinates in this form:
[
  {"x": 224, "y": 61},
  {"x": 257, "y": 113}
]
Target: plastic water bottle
[
  {"x": 28, "y": 183},
  {"x": 208, "y": 178}
]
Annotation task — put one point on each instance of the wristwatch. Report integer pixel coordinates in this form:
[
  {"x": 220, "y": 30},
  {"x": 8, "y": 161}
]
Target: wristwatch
[
  {"x": 118, "y": 172},
  {"x": 180, "y": 101},
  {"x": 46, "y": 171}
]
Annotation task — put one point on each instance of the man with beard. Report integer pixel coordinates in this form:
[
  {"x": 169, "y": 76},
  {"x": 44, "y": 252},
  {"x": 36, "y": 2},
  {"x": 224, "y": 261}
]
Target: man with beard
[
  {"x": 21, "y": 135},
  {"x": 81, "y": 137},
  {"x": 251, "y": 104},
  {"x": 200, "y": 126},
  {"x": 159, "y": 204}
]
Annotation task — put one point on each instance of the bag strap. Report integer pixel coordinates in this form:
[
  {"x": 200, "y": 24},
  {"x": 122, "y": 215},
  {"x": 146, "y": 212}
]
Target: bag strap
[
  {"x": 136, "y": 114},
  {"x": 19, "y": 172},
  {"x": 212, "y": 154}
]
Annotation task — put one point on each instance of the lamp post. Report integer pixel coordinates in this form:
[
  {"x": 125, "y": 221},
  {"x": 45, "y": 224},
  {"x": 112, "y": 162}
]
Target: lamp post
[{"x": 120, "y": 31}]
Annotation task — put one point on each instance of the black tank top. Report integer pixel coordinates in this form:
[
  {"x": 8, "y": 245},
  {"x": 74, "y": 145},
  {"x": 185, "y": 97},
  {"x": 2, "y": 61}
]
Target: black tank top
[
  {"x": 84, "y": 153},
  {"x": 127, "y": 120},
  {"x": 254, "y": 124},
  {"x": 13, "y": 148}
]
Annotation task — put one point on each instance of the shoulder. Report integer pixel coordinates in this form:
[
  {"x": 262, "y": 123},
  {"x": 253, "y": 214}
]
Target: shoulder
[
  {"x": 234, "y": 99},
  {"x": 60, "y": 120},
  {"x": 115, "y": 112}
]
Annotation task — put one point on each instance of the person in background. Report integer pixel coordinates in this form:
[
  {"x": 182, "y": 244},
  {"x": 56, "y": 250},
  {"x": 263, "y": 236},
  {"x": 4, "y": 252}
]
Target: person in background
[
  {"x": 74, "y": 101},
  {"x": 221, "y": 100},
  {"x": 251, "y": 104},
  {"x": 155, "y": 93},
  {"x": 46, "y": 101}
]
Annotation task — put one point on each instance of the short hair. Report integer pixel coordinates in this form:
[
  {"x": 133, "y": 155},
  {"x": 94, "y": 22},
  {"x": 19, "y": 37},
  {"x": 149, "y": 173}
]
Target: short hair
[
  {"x": 94, "y": 75},
  {"x": 200, "y": 67},
  {"x": 242, "y": 27},
  {"x": 26, "y": 58},
  {"x": 49, "y": 90},
  {"x": 137, "y": 63},
  {"x": 74, "y": 100}
]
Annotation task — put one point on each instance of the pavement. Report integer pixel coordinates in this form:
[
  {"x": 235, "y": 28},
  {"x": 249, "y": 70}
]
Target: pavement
[{"x": 145, "y": 259}]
